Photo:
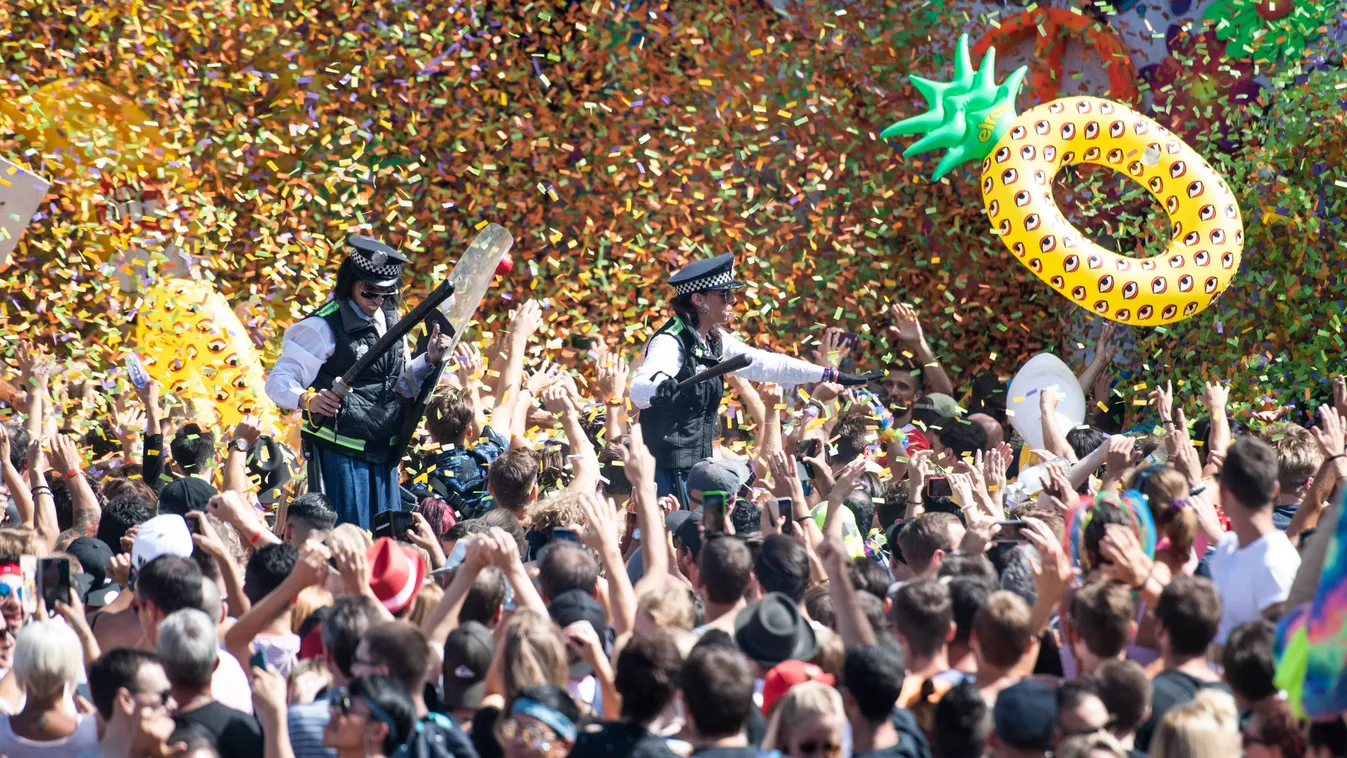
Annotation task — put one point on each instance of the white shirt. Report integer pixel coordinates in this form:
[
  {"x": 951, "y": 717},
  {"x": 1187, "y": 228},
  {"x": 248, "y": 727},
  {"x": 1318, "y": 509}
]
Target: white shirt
[
  {"x": 81, "y": 741},
  {"x": 230, "y": 686},
  {"x": 1251, "y": 578},
  {"x": 307, "y": 346},
  {"x": 664, "y": 358}
]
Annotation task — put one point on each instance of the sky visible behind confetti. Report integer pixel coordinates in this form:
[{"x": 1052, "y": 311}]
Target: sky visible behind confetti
[{"x": 618, "y": 142}]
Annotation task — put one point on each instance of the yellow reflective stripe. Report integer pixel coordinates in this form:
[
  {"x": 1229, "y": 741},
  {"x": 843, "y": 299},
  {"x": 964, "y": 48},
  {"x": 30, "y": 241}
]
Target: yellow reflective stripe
[{"x": 331, "y": 435}]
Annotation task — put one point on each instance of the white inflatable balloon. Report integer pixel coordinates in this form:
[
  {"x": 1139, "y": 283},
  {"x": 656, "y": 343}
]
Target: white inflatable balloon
[{"x": 1040, "y": 372}]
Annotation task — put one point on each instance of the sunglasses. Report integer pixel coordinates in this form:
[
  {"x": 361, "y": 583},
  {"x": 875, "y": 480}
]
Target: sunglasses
[
  {"x": 379, "y": 294},
  {"x": 727, "y": 295},
  {"x": 536, "y": 736},
  {"x": 340, "y": 705},
  {"x": 162, "y": 696}
]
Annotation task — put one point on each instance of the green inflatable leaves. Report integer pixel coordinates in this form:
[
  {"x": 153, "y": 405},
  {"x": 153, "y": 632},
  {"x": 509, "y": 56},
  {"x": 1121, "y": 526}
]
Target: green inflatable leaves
[{"x": 965, "y": 116}]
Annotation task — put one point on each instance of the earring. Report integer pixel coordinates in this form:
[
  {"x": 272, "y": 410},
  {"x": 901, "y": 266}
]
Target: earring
[{"x": 704, "y": 309}]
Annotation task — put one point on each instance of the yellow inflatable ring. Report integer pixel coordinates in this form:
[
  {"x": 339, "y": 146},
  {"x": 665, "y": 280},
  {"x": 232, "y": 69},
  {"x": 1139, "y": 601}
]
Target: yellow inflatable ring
[
  {"x": 973, "y": 118},
  {"x": 1208, "y": 232}
]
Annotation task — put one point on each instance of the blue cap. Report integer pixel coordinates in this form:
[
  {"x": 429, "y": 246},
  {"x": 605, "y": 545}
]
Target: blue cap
[
  {"x": 703, "y": 276},
  {"x": 1025, "y": 716}
]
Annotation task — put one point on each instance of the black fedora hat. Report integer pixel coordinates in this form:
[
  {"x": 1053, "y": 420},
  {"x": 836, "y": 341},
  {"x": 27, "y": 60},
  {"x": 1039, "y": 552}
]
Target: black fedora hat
[{"x": 772, "y": 630}]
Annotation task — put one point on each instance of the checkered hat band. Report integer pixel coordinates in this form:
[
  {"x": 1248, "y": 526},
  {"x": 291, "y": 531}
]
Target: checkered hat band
[
  {"x": 389, "y": 271},
  {"x": 721, "y": 280}
]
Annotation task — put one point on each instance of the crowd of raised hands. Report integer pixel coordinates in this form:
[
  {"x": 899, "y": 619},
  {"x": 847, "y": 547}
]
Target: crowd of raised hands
[{"x": 895, "y": 571}]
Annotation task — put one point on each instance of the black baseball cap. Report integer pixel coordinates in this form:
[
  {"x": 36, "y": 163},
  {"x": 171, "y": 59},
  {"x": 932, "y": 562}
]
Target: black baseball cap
[{"x": 467, "y": 657}]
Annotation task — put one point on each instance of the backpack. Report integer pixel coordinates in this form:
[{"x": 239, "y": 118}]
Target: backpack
[{"x": 437, "y": 736}]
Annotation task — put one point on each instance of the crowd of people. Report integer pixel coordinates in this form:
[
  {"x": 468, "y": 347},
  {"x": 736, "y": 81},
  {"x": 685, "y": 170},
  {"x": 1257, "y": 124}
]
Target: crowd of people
[{"x": 868, "y": 571}]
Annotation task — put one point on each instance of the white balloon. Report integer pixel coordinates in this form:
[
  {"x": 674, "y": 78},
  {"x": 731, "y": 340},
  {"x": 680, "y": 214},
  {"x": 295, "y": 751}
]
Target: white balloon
[{"x": 1039, "y": 373}]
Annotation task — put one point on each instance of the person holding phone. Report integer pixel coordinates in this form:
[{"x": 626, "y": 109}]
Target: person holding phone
[
  {"x": 350, "y": 458},
  {"x": 681, "y": 425}
]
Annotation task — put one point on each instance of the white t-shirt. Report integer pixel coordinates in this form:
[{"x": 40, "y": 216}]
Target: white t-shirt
[
  {"x": 229, "y": 684},
  {"x": 1251, "y": 578},
  {"x": 84, "y": 739}
]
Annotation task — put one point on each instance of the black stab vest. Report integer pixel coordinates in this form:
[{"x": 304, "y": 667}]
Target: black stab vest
[
  {"x": 682, "y": 431},
  {"x": 371, "y": 415}
]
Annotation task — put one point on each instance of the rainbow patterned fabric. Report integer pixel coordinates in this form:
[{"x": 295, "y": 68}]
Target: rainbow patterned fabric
[{"x": 1311, "y": 645}]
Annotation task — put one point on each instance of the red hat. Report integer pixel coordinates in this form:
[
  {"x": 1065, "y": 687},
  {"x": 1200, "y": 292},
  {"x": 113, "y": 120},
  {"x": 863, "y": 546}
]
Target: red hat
[
  {"x": 787, "y": 674},
  {"x": 396, "y": 573}
]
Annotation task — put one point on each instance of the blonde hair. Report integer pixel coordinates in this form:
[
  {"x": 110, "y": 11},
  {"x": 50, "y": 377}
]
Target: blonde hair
[
  {"x": 1084, "y": 745},
  {"x": 669, "y": 605},
  {"x": 804, "y": 699},
  {"x": 1298, "y": 456},
  {"x": 532, "y": 653},
  {"x": 562, "y": 510},
  {"x": 831, "y": 653},
  {"x": 21, "y": 540},
  {"x": 309, "y": 600},
  {"x": 47, "y": 657},
  {"x": 1205, "y": 727},
  {"x": 349, "y": 534},
  {"x": 425, "y": 601}
]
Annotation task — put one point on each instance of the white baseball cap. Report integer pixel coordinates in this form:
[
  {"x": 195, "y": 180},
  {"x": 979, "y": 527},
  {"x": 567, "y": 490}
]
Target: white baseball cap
[{"x": 166, "y": 534}]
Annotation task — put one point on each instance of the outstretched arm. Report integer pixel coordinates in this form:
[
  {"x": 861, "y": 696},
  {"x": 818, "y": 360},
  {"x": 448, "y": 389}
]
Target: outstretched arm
[
  {"x": 771, "y": 367},
  {"x": 907, "y": 328}
]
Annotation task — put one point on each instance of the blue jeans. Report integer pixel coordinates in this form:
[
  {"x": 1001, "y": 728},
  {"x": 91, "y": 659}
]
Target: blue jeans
[
  {"x": 358, "y": 489},
  {"x": 673, "y": 481}
]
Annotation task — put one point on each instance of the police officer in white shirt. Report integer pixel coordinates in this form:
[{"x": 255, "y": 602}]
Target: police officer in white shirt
[
  {"x": 351, "y": 455},
  {"x": 680, "y": 425}
]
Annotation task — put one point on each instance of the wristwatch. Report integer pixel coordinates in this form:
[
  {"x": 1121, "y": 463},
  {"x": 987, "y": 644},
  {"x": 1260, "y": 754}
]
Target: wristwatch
[{"x": 239, "y": 445}]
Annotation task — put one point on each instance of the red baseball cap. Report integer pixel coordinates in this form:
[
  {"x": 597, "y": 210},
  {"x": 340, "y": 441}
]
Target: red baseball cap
[{"x": 787, "y": 674}]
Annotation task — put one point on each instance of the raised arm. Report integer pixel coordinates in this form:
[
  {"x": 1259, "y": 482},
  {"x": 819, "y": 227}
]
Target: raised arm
[
  {"x": 311, "y": 568},
  {"x": 600, "y": 534},
  {"x": 525, "y": 321},
  {"x": 584, "y": 460},
  {"x": 1215, "y": 396},
  {"x": 907, "y": 329},
  {"x": 852, "y": 626},
  {"x": 18, "y": 488},
  {"x": 1103, "y": 355},
  {"x": 85, "y": 510},
  {"x": 468, "y": 372},
  {"x": 443, "y": 619},
  {"x": 236, "y": 461},
  {"x": 639, "y": 467},
  {"x": 612, "y": 374},
  {"x": 768, "y": 366},
  {"x": 1053, "y": 437}
]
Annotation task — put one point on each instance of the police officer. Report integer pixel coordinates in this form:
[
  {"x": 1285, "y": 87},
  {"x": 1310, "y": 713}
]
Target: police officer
[
  {"x": 352, "y": 454},
  {"x": 681, "y": 425}
]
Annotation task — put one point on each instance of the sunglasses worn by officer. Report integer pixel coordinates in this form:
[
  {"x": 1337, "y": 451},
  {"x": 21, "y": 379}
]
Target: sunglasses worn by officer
[{"x": 370, "y": 292}]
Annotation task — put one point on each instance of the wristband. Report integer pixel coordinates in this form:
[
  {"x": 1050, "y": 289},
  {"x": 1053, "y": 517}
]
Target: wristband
[
  {"x": 1332, "y": 458},
  {"x": 71, "y": 475},
  {"x": 829, "y": 374},
  {"x": 43, "y": 490},
  {"x": 255, "y": 538}
]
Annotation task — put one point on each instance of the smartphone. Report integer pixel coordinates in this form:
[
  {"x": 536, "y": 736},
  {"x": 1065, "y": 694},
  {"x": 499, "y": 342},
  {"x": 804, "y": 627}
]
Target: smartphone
[
  {"x": 53, "y": 581},
  {"x": 804, "y": 471},
  {"x": 784, "y": 506},
  {"x": 851, "y": 339},
  {"x": 1010, "y": 530},
  {"x": 713, "y": 512},
  {"x": 258, "y": 660},
  {"x": 938, "y": 487},
  {"x": 393, "y": 524},
  {"x": 809, "y": 448},
  {"x": 562, "y": 533},
  {"x": 193, "y": 519}
]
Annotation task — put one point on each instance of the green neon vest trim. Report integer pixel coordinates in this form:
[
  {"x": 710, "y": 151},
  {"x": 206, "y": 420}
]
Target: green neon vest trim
[
  {"x": 326, "y": 309},
  {"x": 329, "y": 434}
]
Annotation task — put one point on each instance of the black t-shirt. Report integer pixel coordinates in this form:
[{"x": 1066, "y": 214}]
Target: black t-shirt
[
  {"x": 621, "y": 740},
  {"x": 237, "y": 734},
  {"x": 1170, "y": 687}
]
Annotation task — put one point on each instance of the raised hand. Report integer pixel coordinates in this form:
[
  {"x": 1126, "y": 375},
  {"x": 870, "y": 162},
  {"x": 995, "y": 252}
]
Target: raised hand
[
  {"x": 526, "y": 320},
  {"x": 248, "y": 429},
  {"x": 1047, "y": 400},
  {"x": 832, "y": 555},
  {"x": 467, "y": 364},
  {"x": 545, "y": 377},
  {"x": 557, "y": 401},
  {"x": 1215, "y": 396},
  {"x": 205, "y": 536},
  {"x": 1124, "y": 560},
  {"x": 600, "y": 530},
  {"x": 1052, "y": 570},
  {"x": 65, "y": 456},
  {"x": 982, "y": 529},
  {"x": 1330, "y": 432},
  {"x": 1119, "y": 456},
  {"x": 128, "y": 424},
  {"x": 612, "y": 375},
  {"x": 637, "y": 462},
  {"x": 1163, "y": 399},
  {"x": 994, "y": 466},
  {"x": 1340, "y": 395},
  {"x": 437, "y": 345},
  {"x": 833, "y": 349},
  {"x": 906, "y": 325},
  {"x": 311, "y": 567}
]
